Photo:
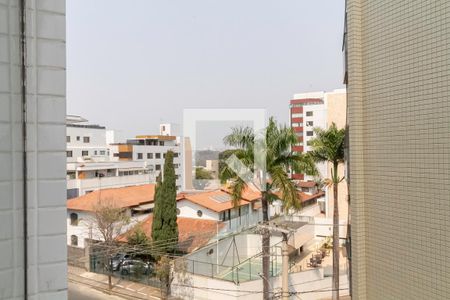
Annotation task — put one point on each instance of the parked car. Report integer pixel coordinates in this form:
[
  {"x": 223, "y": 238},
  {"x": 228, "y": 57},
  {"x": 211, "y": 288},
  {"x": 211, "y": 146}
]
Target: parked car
[
  {"x": 118, "y": 259},
  {"x": 135, "y": 267}
]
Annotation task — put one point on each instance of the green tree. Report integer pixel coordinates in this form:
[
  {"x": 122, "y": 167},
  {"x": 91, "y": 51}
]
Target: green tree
[
  {"x": 278, "y": 160},
  {"x": 328, "y": 146},
  {"x": 164, "y": 226}
]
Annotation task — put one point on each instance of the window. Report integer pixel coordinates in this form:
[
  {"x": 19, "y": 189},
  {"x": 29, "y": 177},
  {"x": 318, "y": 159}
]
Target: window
[
  {"x": 73, "y": 240},
  {"x": 69, "y": 153},
  {"x": 309, "y": 123},
  {"x": 74, "y": 219},
  {"x": 116, "y": 154},
  {"x": 157, "y": 155},
  {"x": 178, "y": 211},
  {"x": 161, "y": 143},
  {"x": 68, "y": 139},
  {"x": 308, "y": 143},
  {"x": 140, "y": 156},
  {"x": 175, "y": 154},
  {"x": 157, "y": 167},
  {"x": 164, "y": 155},
  {"x": 95, "y": 152},
  {"x": 199, "y": 213},
  {"x": 84, "y": 153},
  {"x": 309, "y": 133},
  {"x": 78, "y": 138},
  {"x": 149, "y": 155},
  {"x": 86, "y": 139},
  {"x": 309, "y": 113},
  {"x": 176, "y": 166},
  {"x": 102, "y": 152},
  {"x": 297, "y": 115},
  {"x": 164, "y": 128}
]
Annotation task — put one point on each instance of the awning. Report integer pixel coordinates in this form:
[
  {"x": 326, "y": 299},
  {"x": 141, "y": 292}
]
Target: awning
[{"x": 143, "y": 207}]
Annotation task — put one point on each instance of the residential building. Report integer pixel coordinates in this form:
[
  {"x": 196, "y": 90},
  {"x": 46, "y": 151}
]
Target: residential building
[
  {"x": 320, "y": 110},
  {"x": 212, "y": 165},
  {"x": 81, "y": 222},
  {"x": 90, "y": 165},
  {"x": 152, "y": 150},
  {"x": 32, "y": 150},
  {"x": 397, "y": 74}
]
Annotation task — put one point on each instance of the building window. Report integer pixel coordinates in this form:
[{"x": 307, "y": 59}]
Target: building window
[
  {"x": 308, "y": 143},
  {"x": 157, "y": 155},
  {"x": 140, "y": 156},
  {"x": 199, "y": 213},
  {"x": 175, "y": 154},
  {"x": 68, "y": 139},
  {"x": 95, "y": 152},
  {"x": 74, "y": 219},
  {"x": 84, "y": 153},
  {"x": 178, "y": 211},
  {"x": 164, "y": 128},
  {"x": 116, "y": 154},
  {"x": 309, "y": 113},
  {"x": 161, "y": 143},
  {"x": 149, "y": 155},
  {"x": 309, "y": 123},
  {"x": 176, "y": 166},
  {"x": 157, "y": 167},
  {"x": 86, "y": 139},
  {"x": 69, "y": 153},
  {"x": 78, "y": 138},
  {"x": 309, "y": 133},
  {"x": 297, "y": 116},
  {"x": 164, "y": 155},
  {"x": 73, "y": 240},
  {"x": 102, "y": 152}
]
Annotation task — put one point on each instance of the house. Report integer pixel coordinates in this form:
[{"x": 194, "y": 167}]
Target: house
[{"x": 136, "y": 200}]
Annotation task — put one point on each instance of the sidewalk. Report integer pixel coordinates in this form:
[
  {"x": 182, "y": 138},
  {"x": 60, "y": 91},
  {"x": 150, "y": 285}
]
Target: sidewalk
[{"x": 123, "y": 288}]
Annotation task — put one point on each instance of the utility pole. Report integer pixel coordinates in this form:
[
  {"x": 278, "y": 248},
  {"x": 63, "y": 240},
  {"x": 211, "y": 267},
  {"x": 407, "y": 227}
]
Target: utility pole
[{"x": 285, "y": 258}]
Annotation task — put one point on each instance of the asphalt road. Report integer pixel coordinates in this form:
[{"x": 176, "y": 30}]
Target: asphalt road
[{"x": 82, "y": 292}]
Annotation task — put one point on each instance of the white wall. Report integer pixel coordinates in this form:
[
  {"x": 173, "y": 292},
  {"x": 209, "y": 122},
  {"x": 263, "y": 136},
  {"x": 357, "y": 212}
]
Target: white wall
[
  {"x": 97, "y": 142},
  {"x": 189, "y": 209},
  {"x": 45, "y": 112}
]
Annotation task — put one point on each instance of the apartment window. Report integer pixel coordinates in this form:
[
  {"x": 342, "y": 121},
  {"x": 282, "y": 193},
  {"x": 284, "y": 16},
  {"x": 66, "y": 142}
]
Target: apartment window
[
  {"x": 297, "y": 115},
  {"x": 102, "y": 152},
  {"x": 158, "y": 155},
  {"x": 164, "y": 155},
  {"x": 116, "y": 154},
  {"x": 199, "y": 213},
  {"x": 175, "y": 154},
  {"x": 69, "y": 153},
  {"x": 157, "y": 167},
  {"x": 73, "y": 240},
  {"x": 95, "y": 152},
  {"x": 309, "y": 123},
  {"x": 68, "y": 139},
  {"x": 164, "y": 128},
  {"x": 86, "y": 139},
  {"x": 84, "y": 153},
  {"x": 78, "y": 138},
  {"x": 140, "y": 156},
  {"x": 161, "y": 143},
  {"x": 74, "y": 219},
  {"x": 149, "y": 155},
  {"x": 309, "y": 133},
  {"x": 309, "y": 113}
]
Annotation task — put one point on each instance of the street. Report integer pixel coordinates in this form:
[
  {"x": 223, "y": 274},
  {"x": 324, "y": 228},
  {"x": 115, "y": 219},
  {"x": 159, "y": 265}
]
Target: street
[{"x": 82, "y": 292}]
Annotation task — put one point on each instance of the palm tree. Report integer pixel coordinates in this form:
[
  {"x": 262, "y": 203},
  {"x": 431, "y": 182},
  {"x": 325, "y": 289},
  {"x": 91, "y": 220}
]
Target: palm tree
[
  {"x": 328, "y": 146},
  {"x": 277, "y": 159}
]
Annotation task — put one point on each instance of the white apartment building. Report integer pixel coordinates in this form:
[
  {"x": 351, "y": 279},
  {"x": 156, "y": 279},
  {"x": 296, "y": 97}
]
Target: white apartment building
[
  {"x": 33, "y": 250},
  {"x": 90, "y": 165},
  {"x": 151, "y": 149}
]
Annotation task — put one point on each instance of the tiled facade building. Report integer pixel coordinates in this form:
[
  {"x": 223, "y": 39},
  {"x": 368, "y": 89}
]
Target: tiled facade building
[
  {"x": 32, "y": 161},
  {"x": 398, "y": 75}
]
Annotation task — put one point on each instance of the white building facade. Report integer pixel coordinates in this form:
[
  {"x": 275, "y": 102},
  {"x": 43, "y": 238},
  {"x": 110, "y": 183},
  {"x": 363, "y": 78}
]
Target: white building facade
[{"x": 32, "y": 150}]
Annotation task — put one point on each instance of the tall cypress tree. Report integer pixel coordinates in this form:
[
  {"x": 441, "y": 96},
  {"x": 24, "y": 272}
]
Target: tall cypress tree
[{"x": 164, "y": 226}]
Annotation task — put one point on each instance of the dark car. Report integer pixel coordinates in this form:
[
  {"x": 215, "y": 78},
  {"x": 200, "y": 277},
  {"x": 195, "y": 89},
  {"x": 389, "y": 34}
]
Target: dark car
[
  {"x": 118, "y": 259},
  {"x": 135, "y": 267}
]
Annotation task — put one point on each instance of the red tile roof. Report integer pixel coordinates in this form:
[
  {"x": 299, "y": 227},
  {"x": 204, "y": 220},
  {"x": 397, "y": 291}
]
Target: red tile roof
[
  {"x": 306, "y": 197},
  {"x": 308, "y": 184},
  {"x": 120, "y": 197},
  {"x": 212, "y": 200},
  {"x": 192, "y": 233}
]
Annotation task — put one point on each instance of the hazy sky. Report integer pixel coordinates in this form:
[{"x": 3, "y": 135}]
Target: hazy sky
[{"x": 132, "y": 65}]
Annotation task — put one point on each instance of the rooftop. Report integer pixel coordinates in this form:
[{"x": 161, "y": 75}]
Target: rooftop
[
  {"x": 120, "y": 197},
  {"x": 192, "y": 233}
]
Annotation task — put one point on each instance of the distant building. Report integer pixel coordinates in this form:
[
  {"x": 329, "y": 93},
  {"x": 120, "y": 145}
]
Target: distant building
[
  {"x": 90, "y": 164},
  {"x": 319, "y": 110},
  {"x": 212, "y": 165}
]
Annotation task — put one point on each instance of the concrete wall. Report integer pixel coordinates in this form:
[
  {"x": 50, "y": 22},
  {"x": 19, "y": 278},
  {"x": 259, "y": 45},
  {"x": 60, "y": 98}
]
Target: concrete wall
[
  {"x": 45, "y": 147},
  {"x": 189, "y": 209}
]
